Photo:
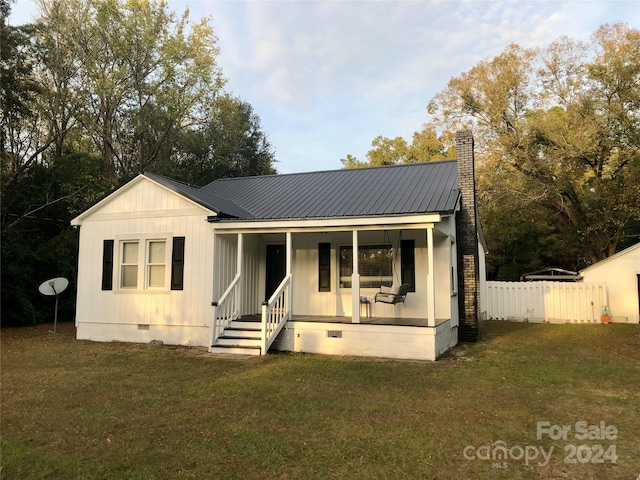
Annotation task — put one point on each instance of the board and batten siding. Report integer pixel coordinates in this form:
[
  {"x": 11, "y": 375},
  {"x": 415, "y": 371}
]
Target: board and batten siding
[
  {"x": 145, "y": 210},
  {"x": 621, "y": 272}
]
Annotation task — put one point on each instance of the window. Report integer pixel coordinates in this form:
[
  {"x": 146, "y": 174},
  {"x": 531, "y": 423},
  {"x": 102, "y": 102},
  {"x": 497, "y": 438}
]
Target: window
[
  {"x": 408, "y": 263},
  {"x": 375, "y": 265},
  {"x": 324, "y": 267},
  {"x": 156, "y": 264},
  {"x": 143, "y": 264},
  {"x": 129, "y": 268}
]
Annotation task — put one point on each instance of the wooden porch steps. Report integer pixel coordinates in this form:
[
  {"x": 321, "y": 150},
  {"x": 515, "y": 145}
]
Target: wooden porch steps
[{"x": 241, "y": 337}]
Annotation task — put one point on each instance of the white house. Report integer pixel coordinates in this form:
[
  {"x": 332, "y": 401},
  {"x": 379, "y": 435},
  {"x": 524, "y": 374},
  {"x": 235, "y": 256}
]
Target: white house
[
  {"x": 292, "y": 262},
  {"x": 621, "y": 272}
]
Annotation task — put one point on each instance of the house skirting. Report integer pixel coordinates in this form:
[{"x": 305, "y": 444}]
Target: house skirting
[
  {"x": 189, "y": 335},
  {"x": 329, "y": 338},
  {"x": 367, "y": 340}
]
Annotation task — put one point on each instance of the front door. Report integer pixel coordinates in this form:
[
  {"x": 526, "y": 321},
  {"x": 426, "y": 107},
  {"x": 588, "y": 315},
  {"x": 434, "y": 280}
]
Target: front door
[{"x": 276, "y": 267}]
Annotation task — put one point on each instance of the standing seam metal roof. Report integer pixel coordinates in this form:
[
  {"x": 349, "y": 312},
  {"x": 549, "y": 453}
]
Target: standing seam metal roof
[{"x": 429, "y": 187}]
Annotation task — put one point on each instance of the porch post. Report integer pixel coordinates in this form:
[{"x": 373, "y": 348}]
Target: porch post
[
  {"x": 239, "y": 254},
  {"x": 289, "y": 253},
  {"x": 431, "y": 284},
  {"x": 355, "y": 283},
  {"x": 289, "y": 271}
]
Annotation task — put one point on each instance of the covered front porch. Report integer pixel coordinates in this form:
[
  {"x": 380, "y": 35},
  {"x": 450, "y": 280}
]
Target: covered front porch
[{"x": 289, "y": 284}]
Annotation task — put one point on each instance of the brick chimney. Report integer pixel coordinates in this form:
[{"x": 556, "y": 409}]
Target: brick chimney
[{"x": 467, "y": 241}]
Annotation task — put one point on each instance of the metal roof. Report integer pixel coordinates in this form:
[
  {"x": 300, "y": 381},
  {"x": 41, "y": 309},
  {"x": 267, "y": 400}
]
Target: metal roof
[
  {"x": 552, "y": 273},
  {"x": 418, "y": 188}
]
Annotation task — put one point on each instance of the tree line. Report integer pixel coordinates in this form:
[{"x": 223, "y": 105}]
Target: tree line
[
  {"x": 94, "y": 92},
  {"x": 557, "y": 133}
]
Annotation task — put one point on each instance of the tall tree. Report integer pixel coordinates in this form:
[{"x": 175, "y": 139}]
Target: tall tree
[
  {"x": 135, "y": 71},
  {"x": 230, "y": 143},
  {"x": 563, "y": 120},
  {"x": 20, "y": 137},
  {"x": 426, "y": 146}
]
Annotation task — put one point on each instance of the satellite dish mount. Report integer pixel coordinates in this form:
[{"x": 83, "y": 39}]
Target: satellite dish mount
[{"x": 55, "y": 286}]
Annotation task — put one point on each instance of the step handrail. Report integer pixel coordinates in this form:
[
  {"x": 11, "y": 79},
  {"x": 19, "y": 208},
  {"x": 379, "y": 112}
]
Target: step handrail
[
  {"x": 275, "y": 313},
  {"x": 224, "y": 310}
]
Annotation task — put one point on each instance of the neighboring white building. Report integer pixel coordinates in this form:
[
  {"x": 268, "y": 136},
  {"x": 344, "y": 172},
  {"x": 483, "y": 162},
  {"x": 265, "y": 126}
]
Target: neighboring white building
[
  {"x": 291, "y": 262},
  {"x": 621, "y": 272}
]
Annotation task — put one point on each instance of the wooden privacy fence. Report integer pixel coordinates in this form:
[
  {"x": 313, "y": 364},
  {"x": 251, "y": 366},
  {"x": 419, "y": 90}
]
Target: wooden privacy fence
[{"x": 554, "y": 302}]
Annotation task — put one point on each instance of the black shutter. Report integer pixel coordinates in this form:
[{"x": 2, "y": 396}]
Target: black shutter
[
  {"x": 107, "y": 265},
  {"x": 408, "y": 263},
  {"x": 324, "y": 267},
  {"x": 177, "y": 264}
]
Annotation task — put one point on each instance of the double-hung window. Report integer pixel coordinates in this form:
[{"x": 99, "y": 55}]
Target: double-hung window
[
  {"x": 143, "y": 264},
  {"x": 156, "y": 264},
  {"x": 129, "y": 264}
]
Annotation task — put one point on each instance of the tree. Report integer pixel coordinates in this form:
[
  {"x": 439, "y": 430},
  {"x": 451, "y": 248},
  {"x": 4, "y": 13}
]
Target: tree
[
  {"x": 520, "y": 239},
  {"x": 37, "y": 240},
  {"x": 566, "y": 131},
  {"x": 19, "y": 134},
  {"x": 230, "y": 143},
  {"x": 136, "y": 74},
  {"x": 426, "y": 146}
]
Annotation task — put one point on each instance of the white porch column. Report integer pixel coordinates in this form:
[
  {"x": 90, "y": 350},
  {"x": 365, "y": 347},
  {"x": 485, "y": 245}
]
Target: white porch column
[
  {"x": 239, "y": 254},
  {"x": 289, "y": 267},
  {"x": 289, "y": 248},
  {"x": 355, "y": 283},
  {"x": 431, "y": 282}
]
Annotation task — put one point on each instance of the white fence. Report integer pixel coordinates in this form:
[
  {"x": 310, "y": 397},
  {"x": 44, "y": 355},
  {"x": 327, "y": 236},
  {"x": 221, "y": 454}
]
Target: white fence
[{"x": 554, "y": 302}]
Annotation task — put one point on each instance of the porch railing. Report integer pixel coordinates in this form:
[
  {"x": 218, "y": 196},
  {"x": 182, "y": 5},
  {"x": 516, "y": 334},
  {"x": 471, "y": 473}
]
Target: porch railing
[
  {"x": 275, "y": 313},
  {"x": 225, "y": 310}
]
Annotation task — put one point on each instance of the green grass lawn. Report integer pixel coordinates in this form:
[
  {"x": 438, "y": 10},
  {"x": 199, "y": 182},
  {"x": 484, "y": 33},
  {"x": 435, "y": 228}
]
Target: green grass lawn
[{"x": 81, "y": 410}]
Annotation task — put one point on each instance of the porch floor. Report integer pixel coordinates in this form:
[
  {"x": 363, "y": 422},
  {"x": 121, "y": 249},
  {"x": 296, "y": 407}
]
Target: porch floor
[{"x": 404, "y": 322}]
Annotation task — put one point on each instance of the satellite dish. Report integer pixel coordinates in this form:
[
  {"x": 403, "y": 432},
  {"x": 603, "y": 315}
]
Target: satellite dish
[{"x": 55, "y": 286}]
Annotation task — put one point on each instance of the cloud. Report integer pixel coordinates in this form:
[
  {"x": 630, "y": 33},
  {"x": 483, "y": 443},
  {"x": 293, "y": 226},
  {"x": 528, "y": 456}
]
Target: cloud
[
  {"x": 333, "y": 75},
  {"x": 349, "y": 71}
]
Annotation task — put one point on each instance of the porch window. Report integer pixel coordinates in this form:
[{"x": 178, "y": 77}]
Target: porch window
[{"x": 375, "y": 265}]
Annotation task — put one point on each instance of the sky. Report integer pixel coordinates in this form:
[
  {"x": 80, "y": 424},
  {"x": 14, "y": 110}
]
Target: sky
[{"x": 327, "y": 77}]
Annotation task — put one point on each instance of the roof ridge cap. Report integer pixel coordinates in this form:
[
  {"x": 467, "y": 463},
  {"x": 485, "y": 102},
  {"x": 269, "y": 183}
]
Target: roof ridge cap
[{"x": 337, "y": 170}]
